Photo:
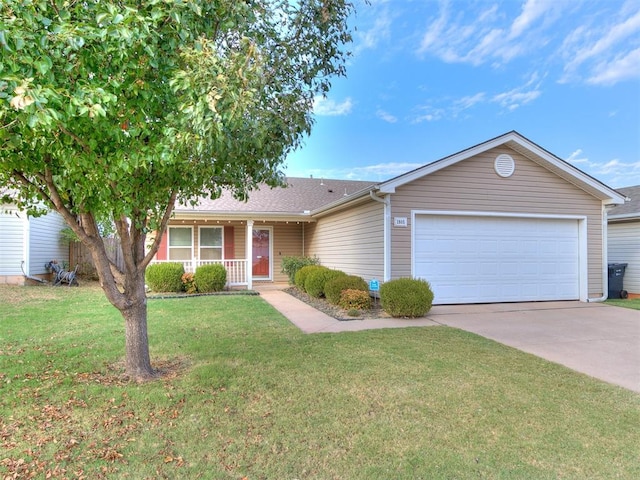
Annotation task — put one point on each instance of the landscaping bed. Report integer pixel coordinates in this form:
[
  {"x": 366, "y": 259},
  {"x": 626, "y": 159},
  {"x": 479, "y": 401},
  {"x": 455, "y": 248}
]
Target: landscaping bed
[{"x": 334, "y": 310}]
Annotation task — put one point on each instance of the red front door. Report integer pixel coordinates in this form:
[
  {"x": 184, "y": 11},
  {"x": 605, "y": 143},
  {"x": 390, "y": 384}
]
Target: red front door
[{"x": 261, "y": 252}]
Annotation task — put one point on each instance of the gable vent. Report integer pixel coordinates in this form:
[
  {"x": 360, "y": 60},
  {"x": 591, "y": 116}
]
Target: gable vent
[{"x": 504, "y": 165}]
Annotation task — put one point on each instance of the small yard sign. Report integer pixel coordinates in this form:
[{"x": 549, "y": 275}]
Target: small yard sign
[{"x": 374, "y": 285}]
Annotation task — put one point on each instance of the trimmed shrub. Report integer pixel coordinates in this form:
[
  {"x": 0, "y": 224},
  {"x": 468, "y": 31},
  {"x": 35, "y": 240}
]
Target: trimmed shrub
[
  {"x": 303, "y": 273},
  {"x": 406, "y": 297},
  {"x": 291, "y": 265},
  {"x": 317, "y": 279},
  {"x": 351, "y": 299},
  {"x": 164, "y": 277},
  {"x": 210, "y": 278},
  {"x": 334, "y": 287}
]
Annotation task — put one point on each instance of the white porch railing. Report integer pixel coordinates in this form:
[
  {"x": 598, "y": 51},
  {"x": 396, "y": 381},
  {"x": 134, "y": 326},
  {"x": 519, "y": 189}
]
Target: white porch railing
[{"x": 236, "y": 269}]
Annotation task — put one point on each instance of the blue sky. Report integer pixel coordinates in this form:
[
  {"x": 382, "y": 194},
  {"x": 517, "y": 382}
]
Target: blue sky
[{"x": 429, "y": 78}]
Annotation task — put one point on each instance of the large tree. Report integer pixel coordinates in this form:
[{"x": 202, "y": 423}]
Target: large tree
[{"x": 113, "y": 111}]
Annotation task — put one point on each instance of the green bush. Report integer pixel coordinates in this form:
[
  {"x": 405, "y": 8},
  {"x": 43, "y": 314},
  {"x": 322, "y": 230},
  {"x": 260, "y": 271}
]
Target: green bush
[
  {"x": 334, "y": 287},
  {"x": 351, "y": 299},
  {"x": 210, "y": 278},
  {"x": 303, "y": 273},
  {"x": 291, "y": 265},
  {"x": 317, "y": 279},
  {"x": 406, "y": 297},
  {"x": 164, "y": 277}
]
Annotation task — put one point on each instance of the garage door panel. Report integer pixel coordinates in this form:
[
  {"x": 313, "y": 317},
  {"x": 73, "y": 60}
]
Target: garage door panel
[{"x": 471, "y": 259}]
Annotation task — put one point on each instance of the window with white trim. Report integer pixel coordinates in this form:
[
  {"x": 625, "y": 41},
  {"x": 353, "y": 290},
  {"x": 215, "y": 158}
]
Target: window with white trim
[
  {"x": 211, "y": 243},
  {"x": 180, "y": 243}
]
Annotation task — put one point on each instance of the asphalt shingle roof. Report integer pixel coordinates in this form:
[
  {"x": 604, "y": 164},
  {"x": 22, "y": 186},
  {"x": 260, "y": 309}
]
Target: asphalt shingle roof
[
  {"x": 628, "y": 208},
  {"x": 302, "y": 194}
]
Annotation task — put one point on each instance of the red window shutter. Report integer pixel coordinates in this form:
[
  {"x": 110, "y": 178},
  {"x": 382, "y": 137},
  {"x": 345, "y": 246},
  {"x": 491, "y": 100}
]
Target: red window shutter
[
  {"x": 229, "y": 249},
  {"x": 162, "y": 250}
]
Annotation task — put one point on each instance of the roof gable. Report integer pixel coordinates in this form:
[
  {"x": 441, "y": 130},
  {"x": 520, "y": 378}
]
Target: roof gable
[{"x": 526, "y": 148}]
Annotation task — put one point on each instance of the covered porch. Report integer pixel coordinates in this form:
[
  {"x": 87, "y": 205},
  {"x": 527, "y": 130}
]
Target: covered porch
[{"x": 250, "y": 250}]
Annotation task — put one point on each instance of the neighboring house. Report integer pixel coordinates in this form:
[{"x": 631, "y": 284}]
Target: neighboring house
[
  {"x": 624, "y": 238},
  {"x": 27, "y": 243},
  {"x": 501, "y": 221}
]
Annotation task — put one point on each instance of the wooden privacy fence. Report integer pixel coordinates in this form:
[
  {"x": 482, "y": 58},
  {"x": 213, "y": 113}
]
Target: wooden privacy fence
[{"x": 80, "y": 255}]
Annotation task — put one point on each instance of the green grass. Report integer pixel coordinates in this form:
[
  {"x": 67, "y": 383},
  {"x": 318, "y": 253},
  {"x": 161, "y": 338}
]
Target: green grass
[
  {"x": 250, "y": 396},
  {"x": 627, "y": 303}
]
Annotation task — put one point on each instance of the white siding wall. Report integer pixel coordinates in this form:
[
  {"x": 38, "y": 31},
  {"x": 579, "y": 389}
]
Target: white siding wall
[
  {"x": 624, "y": 247},
  {"x": 12, "y": 229},
  {"x": 44, "y": 242}
]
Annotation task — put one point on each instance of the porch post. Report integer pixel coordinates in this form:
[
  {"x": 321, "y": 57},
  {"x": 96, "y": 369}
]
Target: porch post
[{"x": 249, "y": 254}]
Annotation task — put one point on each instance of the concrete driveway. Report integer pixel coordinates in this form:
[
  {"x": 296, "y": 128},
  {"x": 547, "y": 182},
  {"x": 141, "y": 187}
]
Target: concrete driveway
[{"x": 600, "y": 340}]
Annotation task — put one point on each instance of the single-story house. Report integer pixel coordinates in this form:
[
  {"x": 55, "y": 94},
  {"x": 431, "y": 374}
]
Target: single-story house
[
  {"x": 624, "y": 238},
  {"x": 502, "y": 221},
  {"x": 27, "y": 243}
]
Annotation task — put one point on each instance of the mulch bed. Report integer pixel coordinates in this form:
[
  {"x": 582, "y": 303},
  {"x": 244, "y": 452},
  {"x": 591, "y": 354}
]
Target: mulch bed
[{"x": 335, "y": 311}]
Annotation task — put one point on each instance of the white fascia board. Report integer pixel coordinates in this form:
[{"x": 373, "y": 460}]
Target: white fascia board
[{"x": 391, "y": 185}]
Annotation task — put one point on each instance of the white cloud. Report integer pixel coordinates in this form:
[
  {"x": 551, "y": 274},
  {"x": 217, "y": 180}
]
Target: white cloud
[
  {"x": 428, "y": 114},
  {"x": 378, "y": 172},
  {"x": 606, "y": 50},
  {"x": 380, "y": 30},
  {"x": 617, "y": 173},
  {"x": 519, "y": 96},
  {"x": 532, "y": 10},
  {"x": 326, "y": 107},
  {"x": 478, "y": 35},
  {"x": 469, "y": 101},
  {"x": 575, "y": 158},
  {"x": 623, "y": 67},
  {"x": 386, "y": 116}
]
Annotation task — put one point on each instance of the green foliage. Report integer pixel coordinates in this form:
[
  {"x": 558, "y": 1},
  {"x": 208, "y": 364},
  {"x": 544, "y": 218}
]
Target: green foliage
[
  {"x": 210, "y": 278},
  {"x": 334, "y": 287},
  {"x": 165, "y": 277},
  {"x": 317, "y": 279},
  {"x": 406, "y": 297},
  {"x": 291, "y": 265},
  {"x": 68, "y": 236},
  {"x": 113, "y": 111},
  {"x": 303, "y": 273},
  {"x": 355, "y": 300}
]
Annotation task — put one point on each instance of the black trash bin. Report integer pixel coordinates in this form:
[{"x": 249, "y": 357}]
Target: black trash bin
[{"x": 616, "y": 274}]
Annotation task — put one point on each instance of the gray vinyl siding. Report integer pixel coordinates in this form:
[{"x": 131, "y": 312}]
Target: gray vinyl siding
[
  {"x": 472, "y": 185},
  {"x": 624, "y": 247},
  {"x": 44, "y": 242},
  {"x": 350, "y": 240},
  {"x": 12, "y": 227}
]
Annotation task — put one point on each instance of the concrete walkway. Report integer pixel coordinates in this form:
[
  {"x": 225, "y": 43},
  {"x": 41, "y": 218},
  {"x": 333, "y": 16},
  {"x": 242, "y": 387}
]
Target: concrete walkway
[{"x": 599, "y": 340}]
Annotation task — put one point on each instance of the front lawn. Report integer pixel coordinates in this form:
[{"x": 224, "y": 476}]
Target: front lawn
[{"x": 247, "y": 395}]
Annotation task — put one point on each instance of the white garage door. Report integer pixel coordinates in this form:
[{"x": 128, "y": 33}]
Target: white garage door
[{"x": 469, "y": 259}]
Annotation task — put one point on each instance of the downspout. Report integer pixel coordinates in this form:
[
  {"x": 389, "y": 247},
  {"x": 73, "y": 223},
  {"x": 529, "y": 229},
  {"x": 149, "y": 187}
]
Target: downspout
[
  {"x": 605, "y": 265},
  {"x": 386, "y": 233}
]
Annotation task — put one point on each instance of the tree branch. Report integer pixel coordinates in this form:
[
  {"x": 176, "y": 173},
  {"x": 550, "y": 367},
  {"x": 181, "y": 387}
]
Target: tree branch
[
  {"x": 84, "y": 146},
  {"x": 159, "y": 232}
]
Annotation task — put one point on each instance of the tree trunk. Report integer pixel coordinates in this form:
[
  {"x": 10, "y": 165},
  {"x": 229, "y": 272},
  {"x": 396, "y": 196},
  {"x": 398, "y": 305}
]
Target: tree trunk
[{"x": 137, "y": 362}]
